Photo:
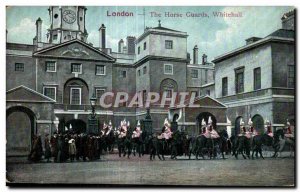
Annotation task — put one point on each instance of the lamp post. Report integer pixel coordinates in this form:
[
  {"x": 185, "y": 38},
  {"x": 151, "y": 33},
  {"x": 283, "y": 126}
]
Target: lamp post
[{"x": 93, "y": 123}]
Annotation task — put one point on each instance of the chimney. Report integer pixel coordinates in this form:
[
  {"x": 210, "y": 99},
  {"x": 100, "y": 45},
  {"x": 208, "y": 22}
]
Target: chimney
[
  {"x": 288, "y": 20},
  {"x": 130, "y": 45},
  {"x": 195, "y": 56},
  {"x": 204, "y": 59},
  {"x": 38, "y": 24},
  {"x": 120, "y": 46},
  {"x": 102, "y": 37}
]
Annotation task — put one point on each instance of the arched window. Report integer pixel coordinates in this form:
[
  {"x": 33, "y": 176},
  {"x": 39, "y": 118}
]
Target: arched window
[
  {"x": 258, "y": 123},
  {"x": 237, "y": 125},
  {"x": 169, "y": 86},
  {"x": 76, "y": 92}
]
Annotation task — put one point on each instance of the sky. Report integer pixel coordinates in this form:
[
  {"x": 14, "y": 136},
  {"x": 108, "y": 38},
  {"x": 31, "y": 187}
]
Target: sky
[{"x": 213, "y": 35}]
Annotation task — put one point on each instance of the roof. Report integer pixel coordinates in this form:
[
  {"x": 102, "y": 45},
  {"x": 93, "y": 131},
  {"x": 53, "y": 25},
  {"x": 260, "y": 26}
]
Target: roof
[
  {"x": 202, "y": 101},
  {"x": 285, "y": 33},
  {"x": 25, "y": 94},
  {"x": 281, "y": 35},
  {"x": 165, "y": 29}
]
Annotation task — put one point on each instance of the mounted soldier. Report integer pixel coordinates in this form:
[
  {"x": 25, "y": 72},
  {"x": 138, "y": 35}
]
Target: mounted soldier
[
  {"x": 166, "y": 130},
  {"x": 269, "y": 131},
  {"x": 137, "y": 132},
  {"x": 288, "y": 133},
  {"x": 204, "y": 128},
  {"x": 252, "y": 130},
  {"x": 242, "y": 128},
  {"x": 108, "y": 129},
  {"x": 104, "y": 129},
  {"x": 123, "y": 128},
  {"x": 213, "y": 133}
]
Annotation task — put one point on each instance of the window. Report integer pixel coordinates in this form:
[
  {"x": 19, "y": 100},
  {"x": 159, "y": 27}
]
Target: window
[
  {"x": 54, "y": 37},
  {"x": 145, "y": 46},
  {"x": 205, "y": 75},
  {"x": 239, "y": 80},
  {"x": 123, "y": 74},
  {"x": 194, "y": 73},
  {"x": 291, "y": 76},
  {"x": 169, "y": 44},
  {"x": 139, "y": 72},
  {"x": 100, "y": 69},
  {"x": 19, "y": 66},
  {"x": 139, "y": 50},
  {"x": 168, "y": 69},
  {"x": 168, "y": 93},
  {"x": 207, "y": 92},
  {"x": 224, "y": 86},
  {"x": 257, "y": 78},
  {"x": 75, "y": 96},
  {"x": 144, "y": 70},
  {"x": 99, "y": 93},
  {"x": 50, "y": 66},
  {"x": 76, "y": 68},
  {"x": 50, "y": 92}
]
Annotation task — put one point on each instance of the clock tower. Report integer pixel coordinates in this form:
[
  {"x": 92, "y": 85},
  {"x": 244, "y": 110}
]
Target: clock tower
[{"x": 67, "y": 23}]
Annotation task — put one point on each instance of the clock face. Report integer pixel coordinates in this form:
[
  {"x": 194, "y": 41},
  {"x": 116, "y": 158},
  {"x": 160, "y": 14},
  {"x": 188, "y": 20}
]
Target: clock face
[{"x": 69, "y": 16}]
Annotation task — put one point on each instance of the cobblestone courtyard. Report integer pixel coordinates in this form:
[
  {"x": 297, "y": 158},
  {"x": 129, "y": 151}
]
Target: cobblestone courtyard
[{"x": 114, "y": 170}]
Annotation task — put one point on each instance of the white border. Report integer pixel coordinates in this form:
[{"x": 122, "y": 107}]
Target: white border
[{"x": 51, "y": 87}]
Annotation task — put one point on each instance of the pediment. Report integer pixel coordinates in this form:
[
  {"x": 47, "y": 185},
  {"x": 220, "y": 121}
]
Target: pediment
[
  {"x": 206, "y": 101},
  {"x": 74, "y": 49},
  {"x": 25, "y": 94}
]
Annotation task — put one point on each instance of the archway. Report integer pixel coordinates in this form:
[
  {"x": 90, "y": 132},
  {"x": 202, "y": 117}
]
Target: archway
[
  {"x": 78, "y": 125},
  {"x": 20, "y": 127},
  {"x": 205, "y": 116},
  {"x": 258, "y": 123},
  {"x": 237, "y": 125}
]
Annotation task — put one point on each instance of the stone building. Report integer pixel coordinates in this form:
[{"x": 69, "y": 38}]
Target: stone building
[
  {"x": 258, "y": 80},
  {"x": 53, "y": 81}
]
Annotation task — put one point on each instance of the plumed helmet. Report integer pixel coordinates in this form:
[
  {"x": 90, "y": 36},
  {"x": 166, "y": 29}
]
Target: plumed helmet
[
  {"x": 128, "y": 124},
  {"x": 268, "y": 122},
  {"x": 166, "y": 123},
  {"x": 203, "y": 123},
  {"x": 110, "y": 123},
  {"x": 138, "y": 123},
  {"x": 288, "y": 123},
  {"x": 242, "y": 122},
  {"x": 209, "y": 120},
  {"x": 250, "y": 123}
]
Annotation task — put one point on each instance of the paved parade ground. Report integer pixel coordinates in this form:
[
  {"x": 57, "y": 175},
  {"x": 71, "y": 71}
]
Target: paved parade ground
[{"x": 141, "y": 171}]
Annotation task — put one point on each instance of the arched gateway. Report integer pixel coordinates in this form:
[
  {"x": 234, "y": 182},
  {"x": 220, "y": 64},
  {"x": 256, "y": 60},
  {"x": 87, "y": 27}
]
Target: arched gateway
[{"x": 20, "y": 128}]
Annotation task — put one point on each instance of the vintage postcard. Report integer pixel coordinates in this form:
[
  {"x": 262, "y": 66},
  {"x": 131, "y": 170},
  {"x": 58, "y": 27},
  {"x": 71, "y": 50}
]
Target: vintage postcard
[{"x": 150, "y": 96}]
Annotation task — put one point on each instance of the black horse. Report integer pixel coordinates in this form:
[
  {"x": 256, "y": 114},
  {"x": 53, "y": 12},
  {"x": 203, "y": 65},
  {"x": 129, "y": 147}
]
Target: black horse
[
  {"x": 157, "y": 147},
  {"x": 241, "y": 145},
  {"x": 266, "y": 140}
]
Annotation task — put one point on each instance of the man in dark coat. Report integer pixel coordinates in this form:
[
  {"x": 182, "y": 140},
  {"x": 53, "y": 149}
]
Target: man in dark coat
[{"x": 47, "y": 148}]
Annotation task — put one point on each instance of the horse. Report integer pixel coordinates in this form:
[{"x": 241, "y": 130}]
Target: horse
[
  {"x": 177, "y": 144},
  {"x": 241, "y": 144},
  {"x": 202, "y": 146},
  {"x": 277, "y": 142},
  {"x": 109, "y": 141},
  {"x": 283, "y": 141},
  {"x": 157, "y": 147},
  {"x": 137, "y": 145},
  {"x": 220, "y": 143}
]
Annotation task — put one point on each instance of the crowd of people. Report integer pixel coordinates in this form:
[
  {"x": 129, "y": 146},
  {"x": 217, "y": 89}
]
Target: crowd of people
[{"x": 61, "y": 147}]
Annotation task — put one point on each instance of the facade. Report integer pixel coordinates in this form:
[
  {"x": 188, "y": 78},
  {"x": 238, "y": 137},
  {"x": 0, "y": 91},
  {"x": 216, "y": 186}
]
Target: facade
[
  {"x": 258, "y": 80},
  {"x": 54, "y": 80}
]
